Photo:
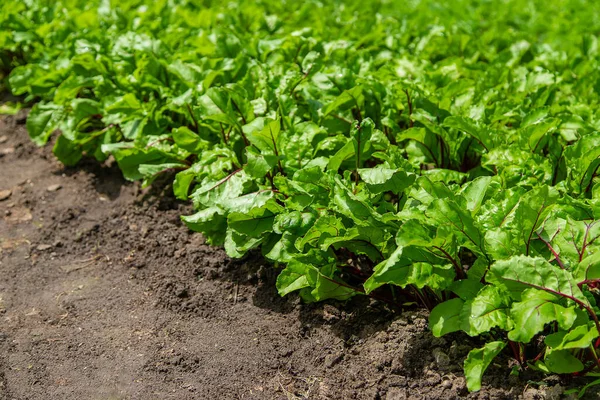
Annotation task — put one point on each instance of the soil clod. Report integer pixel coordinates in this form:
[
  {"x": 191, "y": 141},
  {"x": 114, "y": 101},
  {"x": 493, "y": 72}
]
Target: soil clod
[{"x": 5, "y": 194}]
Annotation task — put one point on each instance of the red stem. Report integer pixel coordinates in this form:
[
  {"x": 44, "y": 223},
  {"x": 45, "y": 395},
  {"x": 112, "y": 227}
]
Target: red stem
[{"x": 554, "y": 253}]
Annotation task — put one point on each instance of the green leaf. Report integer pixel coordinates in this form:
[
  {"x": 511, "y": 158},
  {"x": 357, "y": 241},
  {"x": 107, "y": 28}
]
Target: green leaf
[
  {"x": 218, "y": 192},
  {"x": 326, "y": 226},
  {"x": 256, "y": 221},
  {"x": 534, "y": 311},
  {"x": 417, "y": 258},
  {"x": 538, "y": 131},
  {"x": 474, "y": 192},
  {"x": 321, "y": 282},
  {"x": 257, "y": 165},
  {"x": 445, "y": 317},
  {"x": 295, "y": 222},
  {"x": 148, "y": 170},
  {"x": 588, "y": 268},
  {"x": 283, "y": 250},
  {"x": 521, "y": 272},
  {"x": 477, "y": 362},
  {"x": 584, "y": 158},
  {"x": 329, "y": 287},
  {"x": 267, "y": 138},
  {"x": 411, "y": 265},
  {"x": 562, "y": 362},
  {"x": 468, "y": 126},
  {"x": 21, "y": 77},
  {"x": 43, "y": 119},
  {"x": 85, "y": 108},
  {"x": 466, "y": 288},
  {"x": 216, "y": 105},
  {"x": 489, "y": 309},
  {"x": 381, "y": 179},
  {"x": 67, "y": 151},
  {"x": 348, "y": 204},
  {"x": 182, "y": 183},
  {"x": 130, "y": 159},
  {"x": 293, "y": 277},
  {"x": 580, "y": 337},
  {"x": 210, "y": 222},
  {"x": 428, "y": 145},
  {"x": 237, "y": 245},
  {"x": 478, "y": 270},
  {"x": 188, "y": 140},
  {"x": 346, "y": 100},
  {"x": 343, "y": 154},
  {"x": 450, "y": 214},
  {"x": 359, "y": 240},
  {"x": 531, "y": 212}
]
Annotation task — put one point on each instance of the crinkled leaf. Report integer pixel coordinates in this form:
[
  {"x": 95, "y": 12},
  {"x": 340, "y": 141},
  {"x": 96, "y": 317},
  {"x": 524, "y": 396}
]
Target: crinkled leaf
[
  {"x": 487, "y": 310},
  {"x": 43, "y": 119},
  {"x": 536, "y": 309},
  {"x": 209, "y": 221},
  {"x": 521, "y": 272},
  {"x": 266, "y": 139}
]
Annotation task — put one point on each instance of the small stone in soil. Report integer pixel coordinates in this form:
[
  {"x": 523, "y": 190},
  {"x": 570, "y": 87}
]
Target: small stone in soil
[
  {"x": 20, "y": 214},
  {"x": 139, "y": 264},
  {"x": 181, "y": 292},
  {"x": 5, "y": 194},
  {"x": 396, "y": 394},
  {"x": 53, "y": 188},
  {"x": 531, "y": 394},
  {"x": 433, "y": 379},
  {"x": 441, "y": 359},
  {"x": 3, "y": 139},
  {"x": 43, "y": 247},
  {"x": 7, "y": 150},
  {"x": 554, "y": 392},
  {"x": 330, "y": 313},
  {"x": 332, "y": 359}
]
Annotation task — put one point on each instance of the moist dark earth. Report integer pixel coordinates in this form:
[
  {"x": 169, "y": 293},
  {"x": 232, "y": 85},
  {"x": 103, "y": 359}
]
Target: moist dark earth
[{"x": 104, "y": 294}]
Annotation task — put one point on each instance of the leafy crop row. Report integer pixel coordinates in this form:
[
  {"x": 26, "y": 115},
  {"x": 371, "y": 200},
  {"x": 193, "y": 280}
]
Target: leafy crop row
[{"x": 409, "y": 151}]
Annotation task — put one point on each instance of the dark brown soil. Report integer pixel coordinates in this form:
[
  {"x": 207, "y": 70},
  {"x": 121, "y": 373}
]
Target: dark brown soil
[{"x": 105, "y": 295}]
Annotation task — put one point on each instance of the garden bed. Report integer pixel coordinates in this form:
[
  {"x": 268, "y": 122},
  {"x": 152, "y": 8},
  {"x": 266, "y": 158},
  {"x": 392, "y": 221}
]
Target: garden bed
[{"x": 105, "y": 294}]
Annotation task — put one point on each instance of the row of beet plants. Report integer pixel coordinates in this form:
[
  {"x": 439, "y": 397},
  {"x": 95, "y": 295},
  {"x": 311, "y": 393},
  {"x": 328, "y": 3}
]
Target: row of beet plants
[{"x": 407, "y": 152}]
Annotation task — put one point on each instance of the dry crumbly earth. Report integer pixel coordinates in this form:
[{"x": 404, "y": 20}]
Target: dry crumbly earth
[{"x": 105, "y": 295}]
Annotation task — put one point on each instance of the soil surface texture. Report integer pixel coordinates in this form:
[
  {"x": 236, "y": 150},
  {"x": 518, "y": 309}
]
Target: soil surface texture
[{"x": 104, "y": 294}]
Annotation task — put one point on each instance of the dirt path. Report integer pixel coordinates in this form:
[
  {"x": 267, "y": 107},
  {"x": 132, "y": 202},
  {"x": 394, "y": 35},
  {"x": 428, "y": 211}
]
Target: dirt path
[{"x": 105, "y": 295}]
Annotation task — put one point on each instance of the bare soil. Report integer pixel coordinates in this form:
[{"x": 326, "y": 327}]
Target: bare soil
[{"x": 105, "y": 295}]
